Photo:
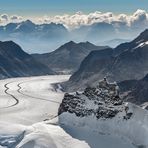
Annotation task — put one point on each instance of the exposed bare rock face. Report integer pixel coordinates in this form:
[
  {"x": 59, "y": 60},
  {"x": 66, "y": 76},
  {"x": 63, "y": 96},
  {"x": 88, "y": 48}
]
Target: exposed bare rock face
[
  {"x": 14, "y": 62},
  {"x": 128, "y": 61},
  {"x": 102, "y": 101},
  {"x": 102, "y": 110},
  {"x": 68, "y": 57}
]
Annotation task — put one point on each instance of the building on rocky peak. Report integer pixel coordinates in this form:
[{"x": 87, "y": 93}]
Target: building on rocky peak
[
  {"x": 112, "y": 88},
  {"x": 103, "y": 101}
]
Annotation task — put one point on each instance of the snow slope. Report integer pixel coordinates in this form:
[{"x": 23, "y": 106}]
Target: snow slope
[
  {"x": 39, "y": 135},
  {"x": 99, "y": 116},
  {"x": 124, "y": 133},
  {"x": 27, "y": 106}
]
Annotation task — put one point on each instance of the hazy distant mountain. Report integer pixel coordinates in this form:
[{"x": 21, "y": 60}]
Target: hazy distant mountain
[
  {"x": 14, "y": 62},
  {"x": 68, "y": 57},
  {"x": 43, "y": 38},
  {"x": 125, "y": 62},
  {"x": 114, "y": 42},
  {"x": 96, "y": 32},
  {"x": 33, "y": 37},
  {"x": 39, "y": 31}
]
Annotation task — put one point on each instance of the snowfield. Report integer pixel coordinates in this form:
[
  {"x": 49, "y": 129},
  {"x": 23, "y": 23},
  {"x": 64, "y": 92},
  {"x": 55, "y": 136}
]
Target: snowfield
[
  {"x": 28, "y": 114},
  {"x": 113, "y": 133},
  {"x": 29, "y": 100},
  {"x": 29, "y": 119},
  {"x": 99, "y": 116},
  {"x": 39, "y": 135}
]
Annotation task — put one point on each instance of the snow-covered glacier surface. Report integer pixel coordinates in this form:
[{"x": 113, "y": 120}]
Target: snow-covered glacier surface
[
  {"x": 29, "y": 119},
  {"x": 28, "y": 114}
]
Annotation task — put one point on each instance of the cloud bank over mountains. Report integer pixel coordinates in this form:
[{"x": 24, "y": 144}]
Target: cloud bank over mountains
[
  {"x": 140, "y": 17},
  {"x": 137, "y": 19},
  {"x": 48, "y": 33},
  {"x": 5, "y": 19}
]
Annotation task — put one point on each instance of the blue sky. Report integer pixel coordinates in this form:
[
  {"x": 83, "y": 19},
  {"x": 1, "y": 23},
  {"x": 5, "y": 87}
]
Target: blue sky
[{"x": 52, "y": 7}]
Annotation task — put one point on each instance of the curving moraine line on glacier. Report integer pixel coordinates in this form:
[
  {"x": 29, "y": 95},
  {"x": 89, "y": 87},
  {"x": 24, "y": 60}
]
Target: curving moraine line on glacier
[
  {"x": 11, "y": 95},
  {"x": 28, "y": 95}
]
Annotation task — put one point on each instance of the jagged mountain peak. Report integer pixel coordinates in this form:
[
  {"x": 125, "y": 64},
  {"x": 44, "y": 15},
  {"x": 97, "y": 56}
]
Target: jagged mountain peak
[
  {"x": 5, "y": 45},
  {"x": 70, "y": 43},
  {"x": 14, "y": 62},
  {"x": 12, "y": 50},
  {"x": 9, "y": 42},
  {"x": 68, "y": 46},
  {"x": 87, "y": 44},
  {"x": 68, "y": 57},
  {"x": 102, "y": 109},
  {"x": 140, "y": 41},
  {"x": 142, "y": 37},
  {"x": 126, "y": 61},
  {"x": 145, "y": 78},
  {"x": 28, "y": 23}
]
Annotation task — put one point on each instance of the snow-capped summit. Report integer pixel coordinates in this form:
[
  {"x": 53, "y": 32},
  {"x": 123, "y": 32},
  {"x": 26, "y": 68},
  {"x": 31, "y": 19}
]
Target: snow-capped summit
[
  {"x": 102, "y": 101},
  {"x": 103, "y": 109}
]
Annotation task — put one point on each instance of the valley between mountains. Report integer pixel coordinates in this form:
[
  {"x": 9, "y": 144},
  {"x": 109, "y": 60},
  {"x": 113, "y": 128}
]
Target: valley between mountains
[
  {"x": 29, "y": 116},
  {"x": 27, "y": 107},
  {"x": 78, "y": 96}
]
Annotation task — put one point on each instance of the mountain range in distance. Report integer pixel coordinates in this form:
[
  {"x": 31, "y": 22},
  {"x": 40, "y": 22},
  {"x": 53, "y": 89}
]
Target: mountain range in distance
[
  {"x": 114, "y": 42},
  {"x": 34, "y": 37},
  {"x": 126, "y": 64},
  {"x": 43, "y": 38}
]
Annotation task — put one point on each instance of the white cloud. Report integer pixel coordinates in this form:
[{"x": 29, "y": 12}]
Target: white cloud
[
  {"x": 137, "y": 19},
  {"x": 140, "y": 17},
  {"x": 16, "y": 18},
  {"x": 5, "y": 19}
]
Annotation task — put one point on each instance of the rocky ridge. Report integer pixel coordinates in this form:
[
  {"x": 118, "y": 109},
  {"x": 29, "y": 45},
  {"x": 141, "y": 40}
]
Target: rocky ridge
[
  {"x": 102, "y": 110},
  {"x": 102, "y": 101}
]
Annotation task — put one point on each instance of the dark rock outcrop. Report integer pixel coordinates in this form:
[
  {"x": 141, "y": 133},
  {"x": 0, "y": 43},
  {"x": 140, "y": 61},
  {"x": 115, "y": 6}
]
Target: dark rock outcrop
[
  {"x": 138, "y": 94},
  {"x": 102, "y": 101},
  {"x": 14, "y": 62},
  {"x": 67, "y": 58},
  {"x": 125, "y": 62}
]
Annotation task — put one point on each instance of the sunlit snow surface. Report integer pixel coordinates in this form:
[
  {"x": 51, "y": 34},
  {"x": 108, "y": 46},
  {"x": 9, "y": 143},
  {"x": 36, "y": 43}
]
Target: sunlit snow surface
[
  {"x": 27, "y": 105},
  {"x": 28, "y": 118},
  {"x": 29, "y": 100},
  {"x": 113, "y": 133}
]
